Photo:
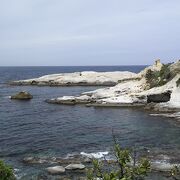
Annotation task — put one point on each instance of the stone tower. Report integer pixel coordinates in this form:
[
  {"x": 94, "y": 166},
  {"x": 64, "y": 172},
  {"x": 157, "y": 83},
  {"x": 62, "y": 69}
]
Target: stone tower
[{"x": 158, "y": 62}]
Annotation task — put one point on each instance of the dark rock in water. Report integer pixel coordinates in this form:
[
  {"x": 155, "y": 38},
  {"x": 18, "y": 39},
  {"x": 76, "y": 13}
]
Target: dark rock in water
[
  {"x": 34, "y": 83},
  {"x": 56, "y": 170},
  {"x": 158, "y": 98},
  {"x": 22, "y": 96},
  {"x": 36, "y": 160}
]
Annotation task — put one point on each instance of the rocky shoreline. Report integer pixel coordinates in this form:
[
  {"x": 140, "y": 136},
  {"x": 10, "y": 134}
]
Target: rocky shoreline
[
  {"x": 76, "y": 165},
  {"x": 155, "y": 88},
  {"x": 134, "y": 93}
]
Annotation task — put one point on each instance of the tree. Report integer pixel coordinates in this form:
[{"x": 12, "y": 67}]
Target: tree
[
  {"x": 6, "y": 172},
  {"x": 123, "y": 169}
]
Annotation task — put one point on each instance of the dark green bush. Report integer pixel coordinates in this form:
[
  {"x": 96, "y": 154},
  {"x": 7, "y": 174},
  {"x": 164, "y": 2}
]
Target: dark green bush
[{"x": 6, "y": 172}]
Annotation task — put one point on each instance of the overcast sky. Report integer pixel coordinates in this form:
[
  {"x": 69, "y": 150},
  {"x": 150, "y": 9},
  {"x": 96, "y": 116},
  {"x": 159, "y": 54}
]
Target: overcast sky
[{"x": 88, "y": 32}]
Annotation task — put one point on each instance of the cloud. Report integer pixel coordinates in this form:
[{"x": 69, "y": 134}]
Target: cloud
[{"x": 125, "y": 30}]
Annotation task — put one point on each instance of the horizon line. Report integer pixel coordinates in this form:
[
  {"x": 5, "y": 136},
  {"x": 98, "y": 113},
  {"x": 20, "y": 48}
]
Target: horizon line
[{"x": 70, "y": 65}]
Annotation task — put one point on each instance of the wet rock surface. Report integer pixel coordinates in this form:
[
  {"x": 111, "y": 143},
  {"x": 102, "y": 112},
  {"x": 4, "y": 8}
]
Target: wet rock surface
[
  {"x": 56, "y": 170},
  {"x": 22, "y": 96},
  {"x": 75, "y": 167}
]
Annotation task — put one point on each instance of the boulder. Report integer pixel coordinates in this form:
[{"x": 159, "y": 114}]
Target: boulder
[
  {"x": 75, "y": 167},
  {"x": 22, "y": 96},
  {"x": 56, "y": 170}
]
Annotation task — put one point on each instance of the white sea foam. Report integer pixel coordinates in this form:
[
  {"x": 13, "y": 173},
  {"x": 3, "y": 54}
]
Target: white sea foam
[
  {"x": 97, "y": 155},
  {"x": 18, "y": 174}
]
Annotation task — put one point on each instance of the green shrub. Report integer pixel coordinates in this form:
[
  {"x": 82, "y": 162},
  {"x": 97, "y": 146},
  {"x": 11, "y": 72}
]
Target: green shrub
[
  {"x": 152, "y": 78},
  {"x": 122, "y": 169},
  {"x": 6, "y": 172},
  {"x": 159, "y": 78}
]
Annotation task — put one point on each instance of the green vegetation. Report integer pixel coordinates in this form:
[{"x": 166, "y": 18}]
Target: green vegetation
[
  {"x": 178, "y": 82},
  {"x": 129, "y": 79},
  {"x": 122, "y": 169},
  {"x": 6, "y": 172},
  {"x": 159, "y": 78}
]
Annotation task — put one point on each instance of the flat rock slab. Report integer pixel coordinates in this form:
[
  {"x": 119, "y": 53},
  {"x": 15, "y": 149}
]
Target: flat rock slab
[
  {"x": 56, "y": 170},
  {"x": 87, "y": 78},
  {"x": 75, "y": 167}
]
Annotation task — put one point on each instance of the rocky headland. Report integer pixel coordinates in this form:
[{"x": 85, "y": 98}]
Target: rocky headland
[{"x": 156, "y": 88}]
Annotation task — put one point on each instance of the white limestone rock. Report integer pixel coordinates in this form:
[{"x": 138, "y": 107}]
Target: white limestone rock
[
  {"x": 75, "y": 167},
  {"x": 171, "y": 86},
  {"x": 56, "y": 170},
  {"x": 79, "y": 78}
]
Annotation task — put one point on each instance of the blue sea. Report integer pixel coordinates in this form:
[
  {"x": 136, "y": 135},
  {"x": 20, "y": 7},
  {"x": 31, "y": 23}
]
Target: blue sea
[{"x": 35, "y": 128}]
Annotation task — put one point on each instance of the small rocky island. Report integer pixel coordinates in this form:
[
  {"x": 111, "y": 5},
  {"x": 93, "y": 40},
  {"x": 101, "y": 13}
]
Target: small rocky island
[
  {"x": 157, "y": 88},
  {"x": 22, "y": 96}
]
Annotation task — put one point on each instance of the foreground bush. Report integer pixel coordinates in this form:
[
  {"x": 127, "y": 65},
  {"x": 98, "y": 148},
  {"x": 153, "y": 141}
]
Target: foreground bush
[
  {"x": 123, "y": 169},
  {"x": 6, "y": 172}
]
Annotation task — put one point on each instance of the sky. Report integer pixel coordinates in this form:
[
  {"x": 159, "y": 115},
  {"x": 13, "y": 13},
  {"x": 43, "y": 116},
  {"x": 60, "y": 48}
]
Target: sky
[{"x": 88, "y": 32}]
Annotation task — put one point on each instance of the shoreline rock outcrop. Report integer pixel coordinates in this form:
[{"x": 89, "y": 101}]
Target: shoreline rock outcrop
[
  {"x": 86, "y": 78},
  {"x": 157, "y": 88},
  {"x": 142, "y": 90},
  {"x": 56, "y": 170}
]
